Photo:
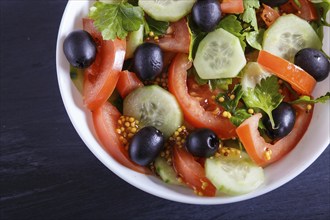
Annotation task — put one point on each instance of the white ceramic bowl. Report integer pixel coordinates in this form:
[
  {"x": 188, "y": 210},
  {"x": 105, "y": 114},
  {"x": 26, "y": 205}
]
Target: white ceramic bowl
[{"x": 306, "y": 152}]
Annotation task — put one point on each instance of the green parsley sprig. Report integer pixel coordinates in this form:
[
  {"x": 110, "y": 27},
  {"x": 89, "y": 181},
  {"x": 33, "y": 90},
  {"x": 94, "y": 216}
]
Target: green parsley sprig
[
  {"x": 116, "y": 20},
  {"x": 309, "y": 100},
  {"x": 264, "y": 96}
]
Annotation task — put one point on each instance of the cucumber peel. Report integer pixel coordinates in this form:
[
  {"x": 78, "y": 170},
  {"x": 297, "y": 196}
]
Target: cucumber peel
[
  {"x": 167, "y": 10},
  {"x": 154, "y": 106},
  {"x": 234, "y": 174},
  {"x": 166, "y": 172},
  {"x": 134, "y": 39},
  {"x": 219, "y": 55},
  {"x": 289, "y": 34}
]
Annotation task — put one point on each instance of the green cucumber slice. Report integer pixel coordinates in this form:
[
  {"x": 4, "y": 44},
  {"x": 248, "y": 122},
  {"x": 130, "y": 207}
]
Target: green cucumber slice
[
  {"x": 77, "y": 77},
  {"x": 167, "y": 10},
  {"x": 289, "y": 34},
  {"x": 166, "y": 172},
  {"x": 134, "y": 39},
  {"x": 252, "y": 74},
  {"x": 112, "y": 1},
  {"x": 154, "y": 106},
  {"x": 233, "y": 174},
  {"x": 219, "y": 55}
]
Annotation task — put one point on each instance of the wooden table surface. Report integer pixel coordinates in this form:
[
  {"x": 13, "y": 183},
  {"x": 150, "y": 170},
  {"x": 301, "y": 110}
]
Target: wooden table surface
[{"x": 47, "y": 172}]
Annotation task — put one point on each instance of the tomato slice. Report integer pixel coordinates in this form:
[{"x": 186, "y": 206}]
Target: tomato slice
[
  {"x": 105, "y": 120},
  {"x": 232, "y": 6},
  {"x": 301, "y": 81},
  {"x": 256, "y": 146},
  {"x": 168, "y": 56},
  {"x": 269, "y": 15},
  {"x": 191, "y": 172},
  {"x": 193, "y": 112},
  {"x": 178, "y": 39},
  {"x": 305, "y": 9},
  {"x": 101, "y": 77},
  {"x": 127, "y": 82}
]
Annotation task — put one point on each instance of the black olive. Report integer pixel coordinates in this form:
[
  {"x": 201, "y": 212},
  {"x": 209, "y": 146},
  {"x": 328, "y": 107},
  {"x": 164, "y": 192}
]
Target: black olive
[
  {"x": 79, "y": 49},
  {"x": 274, "y": 3},
  {"x": 284, "y": 117},
  {"x": 148, "y": 61},
  {"x": 206, "y": 14},
  {"x": 313, "y": 62},
  {"x": 145, "y": 145},
  {"x": 202, "y": 142}
]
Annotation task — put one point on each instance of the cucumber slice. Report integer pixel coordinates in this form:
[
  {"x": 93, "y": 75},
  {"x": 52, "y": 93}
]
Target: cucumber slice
[
  {"x": 112, "y": 1},
  {"x": 77, "y": 77},
  {"x": 289, "y": 34},
  {"x": 252, "y": 74},
  {"x": 219, "y": 55},
  {"x": 134, "y": 39},
  {"x": 167, "y": 10},
  {"x": 154, "y": 106},
  {"x": 165, "y": 171},
  {"x": 234, "y": 174}
]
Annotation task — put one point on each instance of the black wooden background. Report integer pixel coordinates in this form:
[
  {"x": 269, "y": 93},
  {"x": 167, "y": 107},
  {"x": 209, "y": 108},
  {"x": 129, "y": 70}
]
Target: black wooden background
[{"x": 48, "y": 173}]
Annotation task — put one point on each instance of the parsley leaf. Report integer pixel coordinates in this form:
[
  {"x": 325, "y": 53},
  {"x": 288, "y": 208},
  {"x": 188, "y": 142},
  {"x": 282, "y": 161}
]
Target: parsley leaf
[
  {"x": 197, "y": 78},
  {"x": 196, "y": 36},
  {"x": 116, "y": 20},
  {"x": 322, "y": 8},
  {"x": 158, "y": 27},
  {"x": 231, "y": 24},
  {"x": 228, "y": 103},
  {"x": 254, "y": 38},
  {"x": 220, "y": 83},
  {"x": 249, "y": 14},
  {"x": 264, "y": 96},
  {"x": 309, "y": 100},
  {"x": 239, "y": 117}
]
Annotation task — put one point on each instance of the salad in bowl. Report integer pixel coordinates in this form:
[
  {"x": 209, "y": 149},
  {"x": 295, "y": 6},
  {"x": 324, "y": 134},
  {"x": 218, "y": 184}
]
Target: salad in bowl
[{"x": 198, "y": 101}]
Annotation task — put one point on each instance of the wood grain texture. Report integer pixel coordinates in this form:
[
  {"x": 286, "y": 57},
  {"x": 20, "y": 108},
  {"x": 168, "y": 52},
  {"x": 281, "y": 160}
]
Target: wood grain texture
[{"x": 46, "y": 171}]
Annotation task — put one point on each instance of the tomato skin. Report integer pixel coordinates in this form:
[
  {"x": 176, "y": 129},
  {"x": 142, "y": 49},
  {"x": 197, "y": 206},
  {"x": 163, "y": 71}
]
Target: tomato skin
[
  {"x": 105, "y": 120},
  {"x": 306, "y": 10},
  {"x": 101, "y": 77},
  {"x": 88, "y": 25},
  {"x": 193, "y": 112},
  {"x": 232, "y": 6},
  {"x": 192, "y": 173},
  {"x": 168, "y": 56},
  {"x": 256, "y": 146},
  {"x": 269, "y": 15},
  {"x": 127, "y": 82},
  {"x": 178, "y": 40},
  {"x": 301, "y": 81}
]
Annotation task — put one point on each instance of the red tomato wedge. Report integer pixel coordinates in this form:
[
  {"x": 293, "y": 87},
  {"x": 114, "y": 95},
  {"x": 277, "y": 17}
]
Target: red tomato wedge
[
  {"x": 193, "y": 112},
  {"x": 269, "y": 15},
  {"x": 168, "y": 56},
  {"x": 105, "y": 122},
  {"x": 305, "y": 9},
  {"x": 256, "y": 146},
  {"x": 232, "y": 6},
  {"x": 101, "y": 77},
  {"x": 178, "y": 39},
  {"x": 88, "y": 25},
  {"x": 301, "y": 81},
  {"x": 127, "y": 82},
  {"x": 191, "y": 172}
]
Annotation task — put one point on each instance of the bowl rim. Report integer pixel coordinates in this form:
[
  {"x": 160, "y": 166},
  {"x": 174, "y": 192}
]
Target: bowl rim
[{"x": 122, "y": 171}]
